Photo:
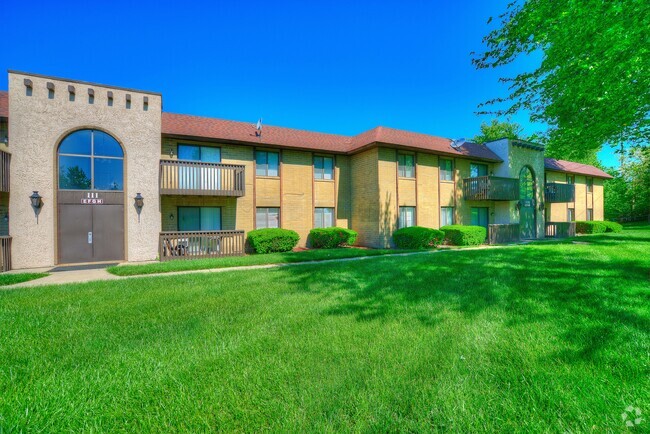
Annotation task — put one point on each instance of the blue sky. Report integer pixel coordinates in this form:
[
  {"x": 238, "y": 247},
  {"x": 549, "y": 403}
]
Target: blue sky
[{"x": 332, "y": 66}]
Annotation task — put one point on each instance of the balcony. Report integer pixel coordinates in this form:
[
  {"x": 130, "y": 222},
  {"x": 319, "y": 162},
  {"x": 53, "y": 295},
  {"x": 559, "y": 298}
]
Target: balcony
[
  {"x": 200, "y": 244},
  {"x": 201, "y": 179},
  {"x": 490, "y": 188},
  {"x": 4, "y": 171},
  {"x": 555, "y": 193}
]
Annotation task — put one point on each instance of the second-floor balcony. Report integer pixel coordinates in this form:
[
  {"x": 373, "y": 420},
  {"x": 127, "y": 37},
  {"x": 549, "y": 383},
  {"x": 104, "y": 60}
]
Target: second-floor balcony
[
  {"x": 490, "y": 188},
  {"x": 4, "y": 171},
  {"x": 554, "y": 192},
  {"x": 202, "y": 179}
]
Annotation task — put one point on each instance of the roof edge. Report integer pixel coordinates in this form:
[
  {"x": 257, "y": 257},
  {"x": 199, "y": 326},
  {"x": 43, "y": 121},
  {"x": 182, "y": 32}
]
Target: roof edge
[{"x": 88, "y": 83}]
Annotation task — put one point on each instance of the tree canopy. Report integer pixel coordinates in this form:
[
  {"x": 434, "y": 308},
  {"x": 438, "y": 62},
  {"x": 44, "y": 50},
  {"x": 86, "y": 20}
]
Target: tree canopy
[
  {"x": 592, "y": 86},
  {"x": 498, "y": 130}
]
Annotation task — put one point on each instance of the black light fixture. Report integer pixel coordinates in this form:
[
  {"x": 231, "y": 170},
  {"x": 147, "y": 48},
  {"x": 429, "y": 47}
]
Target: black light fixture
[
  {"x": 138, "y": 203},
  {"x": 541, "y": 206},
  {"x": 37, "y": 203},
  {"x": 171, "y": 216}
]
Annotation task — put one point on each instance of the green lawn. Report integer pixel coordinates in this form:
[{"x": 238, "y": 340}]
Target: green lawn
[
  {"x": 241, "y": 261},
  {"x": 536, "y": 338},
  {"x": 13, "y": 278}
]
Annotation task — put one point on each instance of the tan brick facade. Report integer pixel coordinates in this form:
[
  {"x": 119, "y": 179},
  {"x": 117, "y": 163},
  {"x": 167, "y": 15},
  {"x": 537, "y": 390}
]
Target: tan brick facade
[{"x": 366, "y": 191}]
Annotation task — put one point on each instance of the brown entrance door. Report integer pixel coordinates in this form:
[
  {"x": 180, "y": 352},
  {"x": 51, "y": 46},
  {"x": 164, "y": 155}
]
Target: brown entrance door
[
  {"x": 75, "y": 225},
  {"x": 90, "y": 232}
]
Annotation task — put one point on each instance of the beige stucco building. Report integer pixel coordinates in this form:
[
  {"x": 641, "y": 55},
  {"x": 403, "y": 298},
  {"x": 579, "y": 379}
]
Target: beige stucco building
[{"x": 90, "y": 149}]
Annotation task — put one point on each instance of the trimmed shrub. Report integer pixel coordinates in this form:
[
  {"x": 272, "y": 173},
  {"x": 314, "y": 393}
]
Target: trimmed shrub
[
  {"x": 613, "y": 226},
  {"x": 461, "y": 235},
  {"x": 591, "y": 227},
  {"x": 330, "y": 238},
  {"x": 272, "y": 240},
  {"x": 417, "y": 237}
]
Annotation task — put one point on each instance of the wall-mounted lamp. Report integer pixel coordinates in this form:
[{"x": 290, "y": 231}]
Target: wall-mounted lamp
[
  {"x": 171, "y": 153},
  {"x": 138, "y": 202},
  {"x": 6, "y": 217},
  {"x": 171, "y": 216},
  {"x": 541, "y": 206},
  {"x": 37, "y": 203}
]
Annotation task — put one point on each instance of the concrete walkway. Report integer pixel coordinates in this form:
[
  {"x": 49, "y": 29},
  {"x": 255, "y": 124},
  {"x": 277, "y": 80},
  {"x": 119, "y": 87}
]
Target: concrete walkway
[{"x": 90, "y": 275}]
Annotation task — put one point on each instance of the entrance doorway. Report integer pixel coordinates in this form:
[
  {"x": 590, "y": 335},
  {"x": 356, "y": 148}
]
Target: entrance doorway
[
  {"x": 527, "y": 214},
  {"x": 90, "y": 198}
]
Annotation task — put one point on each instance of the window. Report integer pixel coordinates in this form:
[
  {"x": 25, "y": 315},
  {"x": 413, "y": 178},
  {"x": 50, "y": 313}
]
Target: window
[
  {"x": 267, "y": 163},
  {"x": 91, "y": 160},
  {"x": 267, "y": 218},
  {"x": 571, "y": 214},
  {"x": 209, "y": 154},
  {"x": 406, "y": 166},
  {"x": 480, "y": 216},
  {"x": 195, "y": 218},
  {"x": 323, "y": 217},
  {"x": 476, "y": 170},
  {"x": 590, "y": 214},
  {"x": 570, "y": 179},
  {"x": 446, "y": 170},
  {"x": 323, "y": 168},
  {"x": 590, "y": 185},
  {"x": 406, "y": 216},
  {"x": 446, "y": 216}
]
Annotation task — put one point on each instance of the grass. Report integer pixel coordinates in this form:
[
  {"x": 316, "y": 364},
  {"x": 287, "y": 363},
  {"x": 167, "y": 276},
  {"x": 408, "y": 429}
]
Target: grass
[
  {"x": 13, "y": 278},
  {"x": 552, "y": 337},
  {"x": 241, "y": 261}
]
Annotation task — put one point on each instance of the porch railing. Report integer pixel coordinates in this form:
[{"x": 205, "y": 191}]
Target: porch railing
[
  {"x": 200, "y": 178},
  {"x": 560, "y": 229},
  {"x": 5, "y": 253},
  {"x": 490, "y": 188},
  {"x": 200, "y": 244},
  {"x": 557, "y": 193},
  {"x": 503, "y": 234},
  {"x": 5, "y": 158}
]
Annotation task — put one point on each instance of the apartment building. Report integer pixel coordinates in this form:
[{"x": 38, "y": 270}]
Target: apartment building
[{"x": 91, "y": 172}]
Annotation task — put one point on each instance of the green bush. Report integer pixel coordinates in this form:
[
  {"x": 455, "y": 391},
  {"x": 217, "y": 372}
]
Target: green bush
[
  {"x": 460, "y": 235},
  {"x": 591, "y": 227},
  {"x": 272, "y": 240},
  {"x": 330, "y": 238},
  {"x": 613, "y": 226},
  {"x": 417, "y": 237}
]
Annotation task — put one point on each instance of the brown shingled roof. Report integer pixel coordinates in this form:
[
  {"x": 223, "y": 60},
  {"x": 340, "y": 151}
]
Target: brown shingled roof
[
  {"x": 577, "y": 168},
  {"x": 4, "y": 104},
  {"x": 218, "y": 129}
]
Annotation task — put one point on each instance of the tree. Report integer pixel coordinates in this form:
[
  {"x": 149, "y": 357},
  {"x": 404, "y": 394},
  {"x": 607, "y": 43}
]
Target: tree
[
  {"x": 627, "y": 196},
  {"x": 498, "y": 130},
  {"x": 592, "y": 86},
  {"x": 73, "y": 178}
]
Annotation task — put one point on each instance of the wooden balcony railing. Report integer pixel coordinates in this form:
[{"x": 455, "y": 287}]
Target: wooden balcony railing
[
  {"x": 5, "y": 253},
  {"x": 200, "y": 244},
  {"x": 554, "y": 192},
  {"x": 199, "y": 178},
  {"x": 560, "y": 229},
  {"x": 490, "y": 188},
  {"x": 503, "y": 234},
  {"x": 5, "y": 158}
]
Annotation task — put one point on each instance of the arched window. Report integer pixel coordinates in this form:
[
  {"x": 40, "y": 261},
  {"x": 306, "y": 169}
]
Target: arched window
[
  {"x": 90, "y": 160},
  {"x": 526, "y": 184}
]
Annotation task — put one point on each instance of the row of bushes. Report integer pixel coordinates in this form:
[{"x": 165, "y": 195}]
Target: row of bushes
[
  {"x": 285, "y": 240},
  {"x": 417, "y": 237},
  {"x": 414, "y": 237},
  {"x": 597, "y": 227}
]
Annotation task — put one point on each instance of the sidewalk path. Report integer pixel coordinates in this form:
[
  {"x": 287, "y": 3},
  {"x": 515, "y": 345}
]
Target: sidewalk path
[{"x": 91, "y": 275}]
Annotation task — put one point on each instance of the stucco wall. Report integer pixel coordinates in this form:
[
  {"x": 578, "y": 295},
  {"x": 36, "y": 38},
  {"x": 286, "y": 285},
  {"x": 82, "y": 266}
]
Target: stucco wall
[{"x": 38, "y": 123}]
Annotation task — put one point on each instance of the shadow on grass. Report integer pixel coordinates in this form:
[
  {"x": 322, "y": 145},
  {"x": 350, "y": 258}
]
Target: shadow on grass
[{"x": 594, "y": 303}]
